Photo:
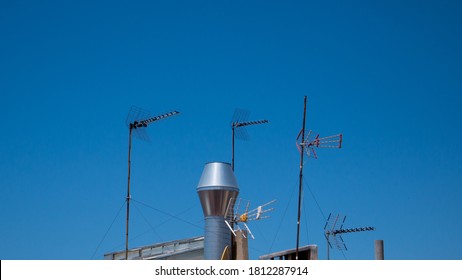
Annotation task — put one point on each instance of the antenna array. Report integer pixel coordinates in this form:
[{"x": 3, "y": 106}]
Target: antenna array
[
  {"x": 234, "y": 217},
  {"x": 311, "y": 142},
  {"x": 334, "y": 229},
  {"x": 238, "y": 124}
]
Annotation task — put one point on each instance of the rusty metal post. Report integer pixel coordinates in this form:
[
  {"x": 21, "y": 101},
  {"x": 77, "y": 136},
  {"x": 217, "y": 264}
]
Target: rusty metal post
[{"x": 379, "y": 254}]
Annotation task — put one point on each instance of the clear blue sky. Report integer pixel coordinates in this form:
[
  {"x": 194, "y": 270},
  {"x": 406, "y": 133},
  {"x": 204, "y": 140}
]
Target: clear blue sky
[{"x": 387, "y": 74}]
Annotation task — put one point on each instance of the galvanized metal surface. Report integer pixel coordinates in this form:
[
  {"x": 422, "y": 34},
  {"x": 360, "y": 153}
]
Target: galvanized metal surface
[
  {"x": 217, "y": 237},
  {"x": 183, "y": 249},
  {"x": 217, "y": 189},
  {"x": 215, "y": 202},
  {"x": 217, "y": 175},
  {"x": 217, "y": 186}
]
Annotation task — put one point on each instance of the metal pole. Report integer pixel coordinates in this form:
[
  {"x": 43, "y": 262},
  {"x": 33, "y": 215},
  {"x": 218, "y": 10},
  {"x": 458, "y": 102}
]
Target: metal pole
[
  {"x": 128, "y": 191},
  {"x": 379, "y": 254},
  {"x": 232, "y": 158},
  {"x": 300, "y": 187},
  {"x": 232, "y": 250},
  {"x": 328, "y": 247}
]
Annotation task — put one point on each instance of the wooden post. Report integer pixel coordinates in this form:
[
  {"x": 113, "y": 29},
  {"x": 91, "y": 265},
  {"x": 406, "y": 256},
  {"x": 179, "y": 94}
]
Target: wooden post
[{"x": 242, "y": 245}]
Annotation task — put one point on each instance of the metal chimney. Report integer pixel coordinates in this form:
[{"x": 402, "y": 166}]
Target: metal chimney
[{"x": 216, "y": 188}]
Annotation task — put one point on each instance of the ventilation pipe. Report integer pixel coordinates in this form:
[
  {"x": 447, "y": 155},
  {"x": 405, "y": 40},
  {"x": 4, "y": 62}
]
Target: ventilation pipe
[{"x": 217, "y": 189}]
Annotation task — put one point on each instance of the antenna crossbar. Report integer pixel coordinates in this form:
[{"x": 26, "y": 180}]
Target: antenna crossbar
[
  {"x": 340, "y": 231},
  {"x": 326, "y": 142},
  {"x": 145, "y": 122},
  {"x": 242, "y": 124}
]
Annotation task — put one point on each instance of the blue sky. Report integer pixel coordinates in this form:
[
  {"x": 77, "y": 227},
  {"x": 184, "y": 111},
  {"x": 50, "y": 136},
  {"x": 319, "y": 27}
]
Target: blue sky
[{"x": 387, "y": 74}]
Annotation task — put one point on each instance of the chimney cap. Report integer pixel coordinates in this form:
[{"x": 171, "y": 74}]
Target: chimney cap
[{"x": 217, "y": 176}]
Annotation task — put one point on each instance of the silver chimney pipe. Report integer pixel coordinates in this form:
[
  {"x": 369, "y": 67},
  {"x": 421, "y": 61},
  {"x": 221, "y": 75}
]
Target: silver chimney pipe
[{"x": 217, "y": 187}]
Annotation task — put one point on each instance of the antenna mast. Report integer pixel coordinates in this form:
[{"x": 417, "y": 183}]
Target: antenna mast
[
  {"x": 300, "y": 184},
  {"x": 307, "y": 145},
  {"x": 238, "y": 124},
  {"x": 136, "y": 121}
]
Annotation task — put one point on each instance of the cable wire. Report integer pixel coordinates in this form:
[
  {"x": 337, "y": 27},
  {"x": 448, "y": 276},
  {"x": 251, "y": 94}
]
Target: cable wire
[
  {"x": 107, "y": 231},
  {"x": 282, "y": 219},
  {"x": 147, "y": 222},
  {"x": 320, "y": 209},
  {"x": 167, "y": 214},
  {"x": 306, "y": 219},
  {"x": 315, "y": 200}
]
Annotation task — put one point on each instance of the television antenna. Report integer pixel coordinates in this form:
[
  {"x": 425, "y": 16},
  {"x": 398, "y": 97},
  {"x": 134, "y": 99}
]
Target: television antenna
[
  {"x": 234, "y": 217},
  {"x": 334, "y": 230},
  {"x": 137, "y": 120},
  {"x": 238, "y": 124},
  {"x": 307, "y": 144}
]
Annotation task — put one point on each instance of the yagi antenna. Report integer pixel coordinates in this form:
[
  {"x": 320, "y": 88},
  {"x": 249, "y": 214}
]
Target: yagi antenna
[
  {"x": 233, "y": 218},
  {"x": 137, "y": 120},
  {"x": 313, "y": 141},
  {"x": 308, "y": 143},
  {"x": 333, "y": 229},
  {"x": 238, "y": 126}
]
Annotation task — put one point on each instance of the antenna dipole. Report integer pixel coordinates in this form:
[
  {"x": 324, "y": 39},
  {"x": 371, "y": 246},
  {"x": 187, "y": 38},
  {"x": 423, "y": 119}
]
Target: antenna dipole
[
  {"x": 238, "y": 125},
  {"x": 307, "y": 145},
  {"x": 136, "y": 122}
]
